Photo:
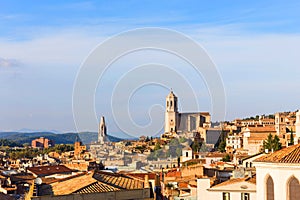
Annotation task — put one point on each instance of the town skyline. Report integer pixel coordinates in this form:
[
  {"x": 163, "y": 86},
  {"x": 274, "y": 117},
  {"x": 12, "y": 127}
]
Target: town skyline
[{"x": 253, "y": 46}]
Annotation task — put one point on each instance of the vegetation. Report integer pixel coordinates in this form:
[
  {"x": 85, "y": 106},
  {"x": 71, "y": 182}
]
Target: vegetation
[
  {"x": 222, "y": 144},
  {"x": 141, "y": 148},
  {"x": 292, "y": 138},
  {"x": 196, "y": 146},
  {"x": 157, "y": 146},
  {"x": 9, "y": 143},
  {"x": 175, "y": 149},
  {"x": 226, "y": 158},
  {"x": 33, "y": 152},
  {"x": 272, "y": 143},
  {"x": 182, "y": 139}
]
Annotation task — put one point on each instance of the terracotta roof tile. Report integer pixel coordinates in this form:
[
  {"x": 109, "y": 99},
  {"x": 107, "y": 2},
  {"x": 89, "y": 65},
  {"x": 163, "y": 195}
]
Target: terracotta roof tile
[
  {"x": 286, "y": 155},
  {"x": 120, "y": 181},
  {"x": 237, "y": 180},
  {"x": 96, "y": 187},
  {"x": 49, "y": 170}
]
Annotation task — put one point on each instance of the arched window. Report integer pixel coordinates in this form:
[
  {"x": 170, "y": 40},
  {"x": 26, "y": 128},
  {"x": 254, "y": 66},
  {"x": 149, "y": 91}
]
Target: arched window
[
  {"x": 171, "y": 103},
  {"x": 270, "y": 188},
  {"x": 293, "y": 188}
]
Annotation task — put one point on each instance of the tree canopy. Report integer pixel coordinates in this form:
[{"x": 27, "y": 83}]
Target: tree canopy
[{"x": 272, "y": 143}]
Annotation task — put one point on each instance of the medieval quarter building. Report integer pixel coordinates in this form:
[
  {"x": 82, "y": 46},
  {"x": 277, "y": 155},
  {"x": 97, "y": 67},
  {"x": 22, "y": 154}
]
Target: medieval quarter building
[{"x": 176, "y": 122}]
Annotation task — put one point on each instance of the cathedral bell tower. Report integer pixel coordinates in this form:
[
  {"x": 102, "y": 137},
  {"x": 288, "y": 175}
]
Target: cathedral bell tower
[
  {"x": 171, "y": 115},
  {"x": 102, "y": 131}
]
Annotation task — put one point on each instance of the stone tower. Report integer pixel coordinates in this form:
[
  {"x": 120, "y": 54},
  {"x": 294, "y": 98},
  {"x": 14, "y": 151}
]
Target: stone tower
[
  {"x": 280, "y": 124},
  {"x": 102, "y": 131},
  {"x": 171, "y": 115}
]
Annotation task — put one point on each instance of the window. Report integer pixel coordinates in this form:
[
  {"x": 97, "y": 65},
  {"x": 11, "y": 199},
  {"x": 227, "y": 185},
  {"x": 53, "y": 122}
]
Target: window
[
  {"x": 270, "y": 188},
  {"x": 226, "y": 196},
  {"x": 245, "y": 196},
  {"x": 186, "y": 154},
  {"x": 293, "y": 189}
]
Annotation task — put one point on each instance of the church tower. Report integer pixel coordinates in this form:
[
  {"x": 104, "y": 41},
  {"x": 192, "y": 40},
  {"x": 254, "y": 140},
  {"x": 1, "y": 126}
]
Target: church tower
[
  {"x": 102, "y": 131},
  {"x": 171, "y": 115}
]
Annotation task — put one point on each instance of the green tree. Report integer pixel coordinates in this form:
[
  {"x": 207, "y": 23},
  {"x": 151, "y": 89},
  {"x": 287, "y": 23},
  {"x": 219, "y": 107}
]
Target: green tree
[
  {"x": 272, "y": 143},
  {"x": 222, "y": 144},
  {"x": 196, "y": 146},
  {"x": 178, "y": 152},
  {"x": 157, "y": 146},
  {"x": 204, "y": 148},
  {"x": 182, "y": 139},
  {"x": 226, "y": 158},
  {"x": 276, "y": 143},
  {"x": 292, "y": 137}
]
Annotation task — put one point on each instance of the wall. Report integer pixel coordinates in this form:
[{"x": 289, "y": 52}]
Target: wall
[
  {"x": 192, "y": 170},
  {"x": 203, "y": 192},
  {"x": 119, "y": 195},
  {"x": 280, "y": 174}
]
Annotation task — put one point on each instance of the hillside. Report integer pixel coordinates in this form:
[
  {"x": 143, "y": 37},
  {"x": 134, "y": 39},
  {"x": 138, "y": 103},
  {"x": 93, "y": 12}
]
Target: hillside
[{"x": 64, "y": 138}]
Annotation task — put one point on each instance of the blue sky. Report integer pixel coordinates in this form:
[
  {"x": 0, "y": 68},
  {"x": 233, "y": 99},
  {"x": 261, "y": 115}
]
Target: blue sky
[{"x": 254, "y": 44}]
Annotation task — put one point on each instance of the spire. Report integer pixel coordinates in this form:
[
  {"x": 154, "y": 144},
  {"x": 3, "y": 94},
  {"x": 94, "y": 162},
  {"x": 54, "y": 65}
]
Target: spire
[{"x": 102, "y": 131}]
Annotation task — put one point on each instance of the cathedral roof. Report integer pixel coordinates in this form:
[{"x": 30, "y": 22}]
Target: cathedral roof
[{"x": 286, "y": 155}]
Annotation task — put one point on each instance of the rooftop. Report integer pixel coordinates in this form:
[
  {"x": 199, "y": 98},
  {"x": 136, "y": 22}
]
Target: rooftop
[
  {"x": 287, "y": 155},
  {"x": 119, "y": 180},
  {"x": 49, "y": 170},
  {"x": 237, "y": 180},
  {"x": 258, "y": 129}
]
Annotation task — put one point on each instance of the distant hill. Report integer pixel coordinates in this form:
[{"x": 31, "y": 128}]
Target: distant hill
[
  {"x": 63, "y": 138},
  {"x": 18, "y": 137}
]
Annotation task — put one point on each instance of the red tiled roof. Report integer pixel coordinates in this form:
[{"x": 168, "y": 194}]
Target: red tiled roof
[
  {"x": 141, "y": 175},
  {"x": 96, "y": 187},
  {"x": 49, "y": 170},
  {"x": 237, "y": 180},
  {"x": 262, "y": 129},
  {"x": 286, "y": 155},
  {"x": 119, "y": 180}
]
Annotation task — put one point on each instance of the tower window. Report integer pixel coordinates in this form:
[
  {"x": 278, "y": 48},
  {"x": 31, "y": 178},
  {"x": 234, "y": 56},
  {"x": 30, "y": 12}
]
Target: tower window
[
  {"x": 167, "y": 103},
  {"x": 171, "y": 103}
]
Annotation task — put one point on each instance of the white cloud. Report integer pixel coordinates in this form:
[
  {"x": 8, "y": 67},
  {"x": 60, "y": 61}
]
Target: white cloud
[{"x": 8, "y": 63}]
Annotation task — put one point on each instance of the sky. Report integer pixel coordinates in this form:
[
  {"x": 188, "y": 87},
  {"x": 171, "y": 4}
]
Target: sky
[{"x": 43, "y": 44}]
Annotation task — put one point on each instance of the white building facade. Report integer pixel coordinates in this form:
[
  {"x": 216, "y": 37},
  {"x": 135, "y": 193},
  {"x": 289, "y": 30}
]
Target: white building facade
[{"x": 278, "y": 175}]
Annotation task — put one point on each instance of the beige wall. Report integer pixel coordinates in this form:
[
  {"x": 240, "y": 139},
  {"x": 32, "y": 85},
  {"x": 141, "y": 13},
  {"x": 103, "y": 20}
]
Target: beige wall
[
  {"x": 119, "y": 195},
  {"x": 280, "y": 174},
  {"x": 205, "y": 193}
]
